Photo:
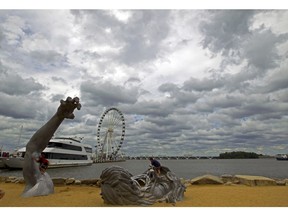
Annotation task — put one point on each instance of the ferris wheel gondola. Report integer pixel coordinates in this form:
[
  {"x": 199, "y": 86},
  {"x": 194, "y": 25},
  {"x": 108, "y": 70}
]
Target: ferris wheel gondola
[{"x": 110, "y": 134}]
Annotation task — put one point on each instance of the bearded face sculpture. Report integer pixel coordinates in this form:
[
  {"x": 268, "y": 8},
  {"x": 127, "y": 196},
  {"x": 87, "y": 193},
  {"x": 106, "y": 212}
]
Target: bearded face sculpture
[{"x": 119, "y": 187}]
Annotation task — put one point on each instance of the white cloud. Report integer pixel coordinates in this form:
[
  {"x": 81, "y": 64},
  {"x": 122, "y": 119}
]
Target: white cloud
[
  {"x": 198, "y": 81},
  {"x": 122, "y": 15}
]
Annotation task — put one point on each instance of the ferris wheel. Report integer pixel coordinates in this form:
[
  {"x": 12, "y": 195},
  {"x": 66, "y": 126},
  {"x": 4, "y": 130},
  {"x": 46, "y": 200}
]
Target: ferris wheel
[{"x": 110, "y": 134}]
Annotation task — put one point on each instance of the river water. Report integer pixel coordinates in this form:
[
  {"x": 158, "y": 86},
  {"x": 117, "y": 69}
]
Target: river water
[{"x": 182, "y": 168}]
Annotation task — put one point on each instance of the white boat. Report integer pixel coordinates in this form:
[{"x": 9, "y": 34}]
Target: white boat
[
  {"x": 60, "y": 151},
  {"x": 282, "y": 157},
  {"x": 2, "y": 164},
  {"x": 3, "y": 155},
  {"x": 15, "y": 160}
]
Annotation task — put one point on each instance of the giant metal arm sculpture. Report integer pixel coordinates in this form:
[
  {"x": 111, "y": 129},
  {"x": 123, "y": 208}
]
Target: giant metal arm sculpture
[{"x": 38, "y": 184}]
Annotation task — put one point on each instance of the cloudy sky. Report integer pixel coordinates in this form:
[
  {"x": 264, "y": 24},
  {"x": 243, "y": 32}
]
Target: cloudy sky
[{"x": 197, "y": 82}]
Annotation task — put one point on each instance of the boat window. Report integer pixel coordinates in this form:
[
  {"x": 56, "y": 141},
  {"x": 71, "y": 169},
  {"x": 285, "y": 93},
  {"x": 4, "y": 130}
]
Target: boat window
[
  {"x": 88, "y": 150},
  {"x": 65, "y": 156},
  {"x": 64, "y": 146}
]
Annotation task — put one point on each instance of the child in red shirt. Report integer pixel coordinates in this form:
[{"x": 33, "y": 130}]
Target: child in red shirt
[{"x": 43, "y": 163}]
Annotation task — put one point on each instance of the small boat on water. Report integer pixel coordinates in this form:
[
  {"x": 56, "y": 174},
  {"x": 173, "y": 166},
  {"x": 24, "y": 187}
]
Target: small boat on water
[
  {"x": 15, "y": 159},
  {"x": 60, "y": 151},
  {"x": 282, "y": 157},
  {"x": 3, "y": 155}
]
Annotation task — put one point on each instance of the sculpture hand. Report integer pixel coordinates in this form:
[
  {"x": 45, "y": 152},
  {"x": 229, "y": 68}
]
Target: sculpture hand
[{"x": 66, "y": 108}]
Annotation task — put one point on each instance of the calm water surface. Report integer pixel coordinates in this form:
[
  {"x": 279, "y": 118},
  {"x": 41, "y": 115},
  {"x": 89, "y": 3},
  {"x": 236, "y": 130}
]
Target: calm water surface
[{"x": 182, "y": 168}]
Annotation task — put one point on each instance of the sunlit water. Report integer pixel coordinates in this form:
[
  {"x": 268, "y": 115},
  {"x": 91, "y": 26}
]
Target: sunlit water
[{"x": 182, "y": 168}]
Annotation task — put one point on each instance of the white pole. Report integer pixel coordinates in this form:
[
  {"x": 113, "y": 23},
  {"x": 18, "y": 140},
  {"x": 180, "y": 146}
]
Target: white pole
[{"x": 20, "y": 135}]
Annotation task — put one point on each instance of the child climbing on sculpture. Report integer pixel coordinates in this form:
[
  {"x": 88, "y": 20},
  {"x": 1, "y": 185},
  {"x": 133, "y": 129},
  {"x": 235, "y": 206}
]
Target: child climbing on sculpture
[
  {"x": 156, "y": 165},
  {"x": 43, "y": 162}
]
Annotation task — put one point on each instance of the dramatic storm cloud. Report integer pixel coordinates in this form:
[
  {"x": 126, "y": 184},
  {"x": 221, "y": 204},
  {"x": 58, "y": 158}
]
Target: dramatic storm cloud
[{"x": 189, "y": 82}]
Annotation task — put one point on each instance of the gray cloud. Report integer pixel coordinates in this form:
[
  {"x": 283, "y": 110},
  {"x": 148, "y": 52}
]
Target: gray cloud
[
  {"x": 58, "y": 79},
  {"x": 140, "y": 61},
  {"x": 181, "y": 98},
  {"x": 13, "y": 84},
  {"x": 140, "y": 38},
  {"x": 143, "y": 41},
  {"x": 275, "y": 82},
  {"x": 20, "y": 107},
  {"x": 132, "y": 80},
  {"x": 229, "y": 32},
  {"x": 168, "y": 87},
  {"x": 47, "y": 60},
  {"x": 202, "y": 85},
  {"x": 226, "y": 29},
  {"x": 261, "y": 48},
  {"x": 150, "y": 108},
  {"x": 107, "y": 94},
  {"x": 58, "y": 97}
]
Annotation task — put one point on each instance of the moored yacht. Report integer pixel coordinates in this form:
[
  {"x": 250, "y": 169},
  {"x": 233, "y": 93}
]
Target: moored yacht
[
  {"x": 60, "y": 151},
  {"x": 282, "y": 157}
]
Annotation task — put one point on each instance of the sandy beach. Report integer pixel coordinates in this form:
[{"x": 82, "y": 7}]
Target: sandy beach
[{"x": 195, "y": 196}]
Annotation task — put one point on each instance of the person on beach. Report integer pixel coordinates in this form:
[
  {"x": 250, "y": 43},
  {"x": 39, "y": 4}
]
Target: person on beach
[
  {"x": 156, "y": 165},
  {"x": 43, "y": 163}
]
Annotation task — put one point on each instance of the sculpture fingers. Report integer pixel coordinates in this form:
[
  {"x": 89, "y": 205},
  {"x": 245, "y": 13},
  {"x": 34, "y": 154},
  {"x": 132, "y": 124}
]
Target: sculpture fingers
[
  {"x": 76, "y": 100},
  {"x": 78, "y": 106},
  {"x": 69, "y": 99},
  {"x": 67, "y": 107}
]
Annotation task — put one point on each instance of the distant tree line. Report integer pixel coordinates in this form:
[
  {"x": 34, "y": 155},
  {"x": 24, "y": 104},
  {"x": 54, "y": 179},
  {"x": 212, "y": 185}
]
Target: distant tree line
[{"x": 238, "y": 155}]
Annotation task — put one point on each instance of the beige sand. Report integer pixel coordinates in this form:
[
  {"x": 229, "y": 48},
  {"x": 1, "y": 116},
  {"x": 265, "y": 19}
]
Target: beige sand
[{"x": 195, "y": 196}]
